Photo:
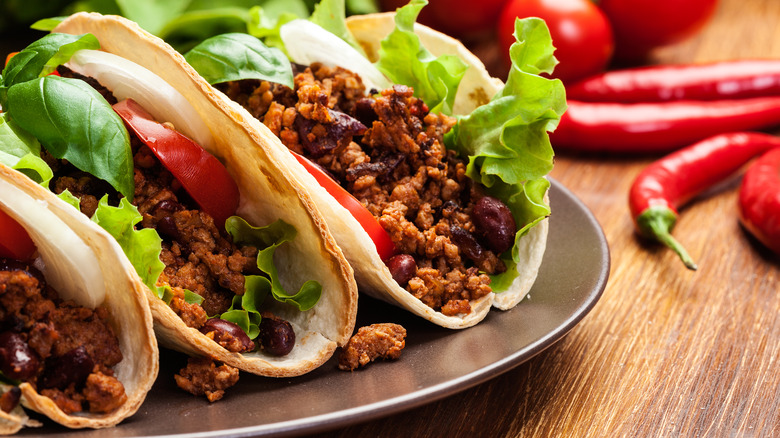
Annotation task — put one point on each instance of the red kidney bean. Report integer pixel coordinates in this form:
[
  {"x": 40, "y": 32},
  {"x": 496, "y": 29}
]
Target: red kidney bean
[
  {"x": 276, "y": 335},
  {"x": 17, "y": 360},
  {"x": 402, "y": 267},
  {"x": 72, "y": 367},
  {"x": 467, "y": 243},
  {"x": 166, "y": 226},
  {"x": 228, "y": 334},
  {"x": 494, "y": 223}
]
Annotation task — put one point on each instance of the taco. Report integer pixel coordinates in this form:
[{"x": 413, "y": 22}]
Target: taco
[
  {"x": 444, "y": 165},
  {"x": 239, "y": 265},
  {"x": 76, "y": 337}
]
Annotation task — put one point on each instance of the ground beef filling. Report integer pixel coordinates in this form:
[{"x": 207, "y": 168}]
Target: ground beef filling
[
  {"x": 203, "y": 376},
  {"x": 387, "y": 150},
  {"x": 376, "y": 341},
  {"x": 196, "y": 255},
  {"x": 65, "y": 351}
]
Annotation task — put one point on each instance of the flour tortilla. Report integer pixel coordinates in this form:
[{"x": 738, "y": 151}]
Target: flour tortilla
[
  {"x": 125, "y": 299},
  {"x": 267, "y": 193},
  {"x": 373, "y": 276}
]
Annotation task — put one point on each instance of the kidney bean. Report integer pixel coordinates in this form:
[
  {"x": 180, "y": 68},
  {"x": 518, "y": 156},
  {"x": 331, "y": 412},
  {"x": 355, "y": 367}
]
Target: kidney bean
[
  {"x": 169, "y": 205},
  {"x": 229, "y": 335},
  {"x": 10, "y": 399},
  {"x": 467, "y": 243},
  {"x": 494, "y": 223},
  {"x": 72, "y": 367},
  {"x": 276, "y": 335},
  {"x": 166, "y": 226},
  {"x": 17, "y": 360},
  {"x": 402, "y": 267}
]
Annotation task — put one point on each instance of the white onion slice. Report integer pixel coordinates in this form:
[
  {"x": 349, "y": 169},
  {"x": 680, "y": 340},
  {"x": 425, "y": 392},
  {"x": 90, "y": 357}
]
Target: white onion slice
[
  {"x": 68, "y": 264},
  {"x": 307, "y": 43},
  {"x": 126, "y": 79}
]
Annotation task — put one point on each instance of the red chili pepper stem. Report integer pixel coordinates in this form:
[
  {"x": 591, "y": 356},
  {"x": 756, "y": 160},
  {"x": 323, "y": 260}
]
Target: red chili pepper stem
[{"x": 656, "y": 223}]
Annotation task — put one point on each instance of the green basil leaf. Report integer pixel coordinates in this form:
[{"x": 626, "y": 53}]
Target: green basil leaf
[
  {"x": 236, "y": 56},
  {"x": 21, "y": 151},
  {"x": 44, "y": 55},
  {"x": 74, "y": 122}
]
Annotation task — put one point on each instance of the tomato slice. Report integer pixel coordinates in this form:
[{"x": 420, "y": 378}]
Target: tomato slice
[
  {"x": 15, "y": 243},
  {"x": 200, "y": 173},
  {"x": 384, "y": 245}
]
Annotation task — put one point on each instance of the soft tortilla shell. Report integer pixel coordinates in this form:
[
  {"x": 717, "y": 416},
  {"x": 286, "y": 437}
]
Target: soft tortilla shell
[
  {"x": 268, "y": 193},
  {"x": 125, "y": 301},
  {"x": 477, "y": 87}
]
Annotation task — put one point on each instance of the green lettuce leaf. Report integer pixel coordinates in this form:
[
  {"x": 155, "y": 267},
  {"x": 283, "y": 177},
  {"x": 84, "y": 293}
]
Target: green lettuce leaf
[
  {"x": 236, "y": 56},
  {"x": 74, "y": 122},
  {"x": 244, "y": 308},
  {"x": 404, "y": 60},
  {"x": 21, "y": 151},
  {"x": 507, "y": 139},
  {"x": 142, "y": 247}
]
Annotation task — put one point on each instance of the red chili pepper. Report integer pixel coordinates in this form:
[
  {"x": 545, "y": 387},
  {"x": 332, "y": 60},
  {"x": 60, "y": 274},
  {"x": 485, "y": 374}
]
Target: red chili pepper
[
  {"x": 658, "y": 127},
  {"x": 714, "y": 81},
  {"x": 759, "y": 200},
  {"x": 672, "y": 181}
]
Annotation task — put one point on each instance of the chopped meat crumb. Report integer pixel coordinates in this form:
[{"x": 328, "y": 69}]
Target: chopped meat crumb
[
  {"x": 202, "y": 376},
  {"x": 397, "y": 167},
  {"x": 372, "y": 342}
]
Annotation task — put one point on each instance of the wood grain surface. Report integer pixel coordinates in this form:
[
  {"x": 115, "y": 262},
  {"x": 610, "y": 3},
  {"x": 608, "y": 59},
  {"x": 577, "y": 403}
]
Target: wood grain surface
[{"x": 666, "y": 351}]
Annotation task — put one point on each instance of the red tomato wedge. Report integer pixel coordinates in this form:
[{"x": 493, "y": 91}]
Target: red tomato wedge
[
  {"x": 200, "y": 173},
  {"x": 384, "y": 245},
  {"x": 15, "y": 243}
]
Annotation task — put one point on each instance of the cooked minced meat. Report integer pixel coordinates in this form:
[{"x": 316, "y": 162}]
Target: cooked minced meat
[
  {"x": 387, "y": 150},
  {"x": 64, "y": 350},
  {"x": 385, "y": 341},
  {"x": 202, "y": 376}
]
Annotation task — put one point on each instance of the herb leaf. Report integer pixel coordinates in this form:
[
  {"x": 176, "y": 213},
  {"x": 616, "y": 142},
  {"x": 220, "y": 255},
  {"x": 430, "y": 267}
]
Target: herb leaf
[
  {"x": 44, "y": 55},
  {"x": 236, "y": 56},
  {"x": 21, "y": 151},
  {"x": 74, "y": 122}
]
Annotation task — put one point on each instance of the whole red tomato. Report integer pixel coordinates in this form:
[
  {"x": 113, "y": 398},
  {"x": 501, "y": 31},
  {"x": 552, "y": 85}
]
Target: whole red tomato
[
  {"x": 454, "y": 17},
  {"x": 580, "y": 32},
  {"x": 641, "y": 25}
]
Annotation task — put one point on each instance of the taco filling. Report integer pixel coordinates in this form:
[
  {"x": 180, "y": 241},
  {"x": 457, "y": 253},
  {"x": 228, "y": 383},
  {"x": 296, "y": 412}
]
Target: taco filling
[
  {"x": 453, "y": 177},
  {"x": 168, "y": 202},
  {"x": 387, "y": 150},
  {"x": 64, "y": 350}
]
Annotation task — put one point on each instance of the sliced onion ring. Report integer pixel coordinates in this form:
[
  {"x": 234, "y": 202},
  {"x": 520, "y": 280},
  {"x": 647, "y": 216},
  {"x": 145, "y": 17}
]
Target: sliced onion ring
[{"x": 307, "y": 43}]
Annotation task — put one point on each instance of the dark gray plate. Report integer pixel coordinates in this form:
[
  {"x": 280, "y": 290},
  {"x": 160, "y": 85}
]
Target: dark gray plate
[{"x": 436, "y": 362}]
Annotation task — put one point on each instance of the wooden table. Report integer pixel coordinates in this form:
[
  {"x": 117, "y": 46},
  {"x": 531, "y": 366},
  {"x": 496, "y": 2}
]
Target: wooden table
[{"x": 666, "y": 351}]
